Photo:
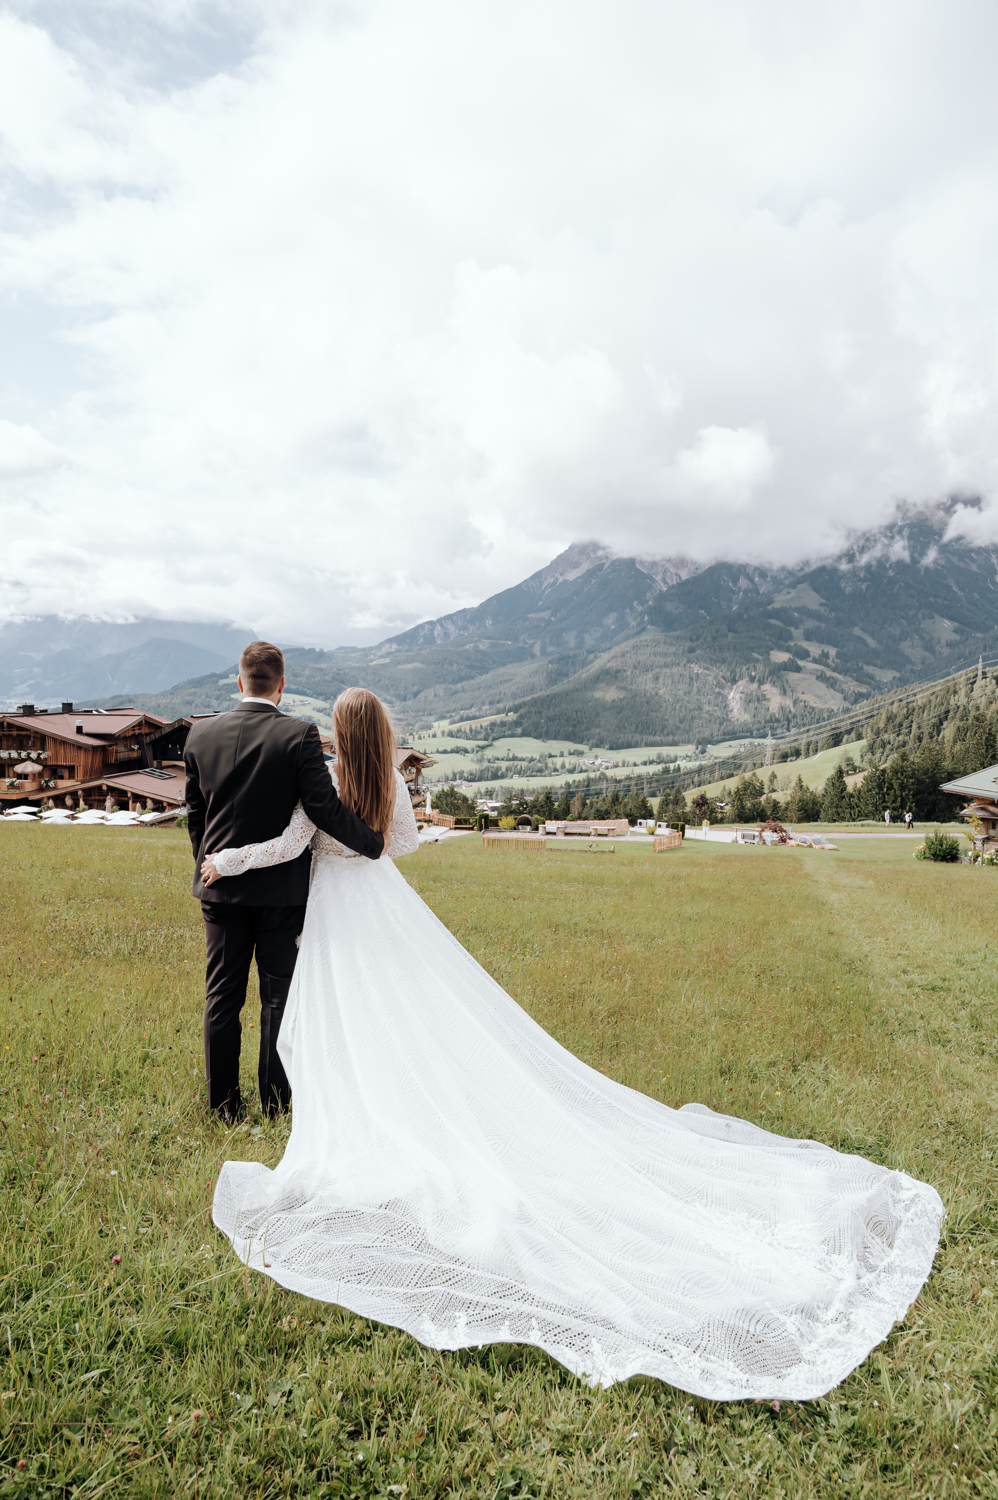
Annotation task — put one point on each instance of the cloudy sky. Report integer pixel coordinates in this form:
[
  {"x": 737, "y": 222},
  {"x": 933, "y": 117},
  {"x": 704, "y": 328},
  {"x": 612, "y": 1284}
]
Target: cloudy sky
[{"x": 328, "y": 318}]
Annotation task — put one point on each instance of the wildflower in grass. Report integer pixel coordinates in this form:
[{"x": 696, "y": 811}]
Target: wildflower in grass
[{"x": 116, "y": 1260}]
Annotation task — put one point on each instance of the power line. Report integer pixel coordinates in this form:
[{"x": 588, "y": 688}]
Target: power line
[
  {"x": 653, "y": 785},
  {"x": 732, "y": 765}
]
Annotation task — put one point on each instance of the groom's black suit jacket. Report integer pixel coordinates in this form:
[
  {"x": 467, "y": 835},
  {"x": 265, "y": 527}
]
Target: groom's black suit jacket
[{"x": 246, "y": 770}]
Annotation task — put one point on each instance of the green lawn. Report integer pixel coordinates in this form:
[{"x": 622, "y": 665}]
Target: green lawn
[{"x": 849, "y": 997}]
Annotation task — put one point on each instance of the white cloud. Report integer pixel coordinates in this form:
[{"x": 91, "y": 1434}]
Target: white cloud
[
  {"x": 23, "y": 451},
  {"x": 724, "y": 468},
  {"x": 358, "y": 314}
]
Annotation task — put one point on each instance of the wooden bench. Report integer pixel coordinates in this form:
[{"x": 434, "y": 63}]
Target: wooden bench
[{"x": 596, "y": 828}]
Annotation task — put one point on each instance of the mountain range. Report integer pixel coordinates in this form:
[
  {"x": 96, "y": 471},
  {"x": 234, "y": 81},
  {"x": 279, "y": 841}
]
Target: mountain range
[
  {"x": 47, "y": 659},
  {"x": 626, "y": 651}
]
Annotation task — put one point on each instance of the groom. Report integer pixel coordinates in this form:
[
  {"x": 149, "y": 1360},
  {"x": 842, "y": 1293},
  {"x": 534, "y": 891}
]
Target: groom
[{"x": 246, "y": 770}]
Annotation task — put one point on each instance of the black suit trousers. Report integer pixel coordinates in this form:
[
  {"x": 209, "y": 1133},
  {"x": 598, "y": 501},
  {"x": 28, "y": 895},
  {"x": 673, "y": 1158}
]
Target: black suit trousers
[{"x": 233, "y": 934}]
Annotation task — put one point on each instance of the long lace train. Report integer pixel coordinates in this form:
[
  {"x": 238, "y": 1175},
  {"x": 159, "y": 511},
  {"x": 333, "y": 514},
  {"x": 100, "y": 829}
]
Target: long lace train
[{"x": 454, "y": 1172}]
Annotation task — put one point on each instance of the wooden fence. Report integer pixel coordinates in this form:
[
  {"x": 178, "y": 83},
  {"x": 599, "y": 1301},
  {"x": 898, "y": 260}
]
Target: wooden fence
[{"x": 512, "y": 841}]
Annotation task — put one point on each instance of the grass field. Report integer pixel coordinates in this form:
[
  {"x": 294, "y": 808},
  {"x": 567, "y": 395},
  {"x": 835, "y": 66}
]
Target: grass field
[
  {"x": 849, "y": 997},
  {"x": 454, "y": 759}
]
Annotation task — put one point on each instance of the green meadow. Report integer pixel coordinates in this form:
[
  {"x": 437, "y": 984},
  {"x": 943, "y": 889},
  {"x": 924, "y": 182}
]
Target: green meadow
[
  {"x": 813, "y": 770},
  {"x": 849, "y": 997}
]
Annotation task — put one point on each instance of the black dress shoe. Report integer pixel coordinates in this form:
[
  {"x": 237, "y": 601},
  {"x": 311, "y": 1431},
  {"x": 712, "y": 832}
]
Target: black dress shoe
[{"x": 229, "y": 1117}]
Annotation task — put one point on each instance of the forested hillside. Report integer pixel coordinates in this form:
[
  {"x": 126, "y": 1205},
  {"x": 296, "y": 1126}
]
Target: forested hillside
[
  {"x": 911, "y": 749},
  {"x": 960, "y": 716}
]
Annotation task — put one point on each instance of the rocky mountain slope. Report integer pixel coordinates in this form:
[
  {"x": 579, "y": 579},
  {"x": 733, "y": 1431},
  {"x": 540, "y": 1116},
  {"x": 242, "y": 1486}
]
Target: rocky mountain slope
[
  {"x": 627, "y": 651},
  {"x": 584, "y": 599}
]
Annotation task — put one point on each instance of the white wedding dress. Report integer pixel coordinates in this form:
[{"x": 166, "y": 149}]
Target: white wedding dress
[{"x": 454, "y": 1172}]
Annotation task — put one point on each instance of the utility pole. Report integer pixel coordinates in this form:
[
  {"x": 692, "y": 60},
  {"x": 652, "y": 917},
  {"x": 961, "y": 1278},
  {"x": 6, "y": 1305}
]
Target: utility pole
[
  {"x": 769, "y": 748},
  {"x": 980, "y": 669}
]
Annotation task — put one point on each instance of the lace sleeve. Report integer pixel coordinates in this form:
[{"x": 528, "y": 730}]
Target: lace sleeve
[
  {"x": 405, "y": 837},
  {"x": 289, "y": 845}
]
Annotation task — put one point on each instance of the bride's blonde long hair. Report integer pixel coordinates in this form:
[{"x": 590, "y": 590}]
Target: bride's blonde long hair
[{"x": 365, "y": 757}]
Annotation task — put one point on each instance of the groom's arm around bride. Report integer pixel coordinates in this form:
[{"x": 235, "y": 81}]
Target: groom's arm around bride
[{"x": 246, "y": 771}]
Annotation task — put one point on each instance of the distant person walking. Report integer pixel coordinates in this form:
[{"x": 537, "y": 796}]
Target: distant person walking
[
  {"x": 908, "y": 820},
  {"x": 887, "y": 816}
]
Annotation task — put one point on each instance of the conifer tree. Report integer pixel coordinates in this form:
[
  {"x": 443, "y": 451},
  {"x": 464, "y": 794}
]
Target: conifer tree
[
  {"x": 900, "y": 783},
  {"x": 745, "y": 805},
  {"x": 930, "y": 771},
  {"x": 635, "y": 806},
  {"x": 543, "y": 804},
  {"x": 802, "y": 805},
  {"x": 835, "y": 801},
  {"x": 873, "y": 794},
  {"x": 671, "y": 807},
  {"x": 447, "y": 799}
]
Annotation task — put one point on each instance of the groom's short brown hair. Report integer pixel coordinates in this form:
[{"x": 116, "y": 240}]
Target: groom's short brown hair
[{"x": 261, "y": 667}]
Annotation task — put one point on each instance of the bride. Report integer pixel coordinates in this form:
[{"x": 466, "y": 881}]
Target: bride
[{"x": 453, "y": 1171}]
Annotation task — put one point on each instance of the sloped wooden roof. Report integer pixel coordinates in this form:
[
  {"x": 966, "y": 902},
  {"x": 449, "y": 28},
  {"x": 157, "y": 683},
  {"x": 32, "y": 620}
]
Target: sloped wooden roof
[
  {"x": 168, "y": 785},
  {"x": 407, "y": 758},
  {"x": 98, "y": 729},
  {"x": 977, "y": 784}
]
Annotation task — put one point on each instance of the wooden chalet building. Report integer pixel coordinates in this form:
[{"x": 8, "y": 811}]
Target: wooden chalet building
[
  {"x": 412, "y": 764},
  {"x": 980, "y": 792},
  {"x": 87, "y": 754}
]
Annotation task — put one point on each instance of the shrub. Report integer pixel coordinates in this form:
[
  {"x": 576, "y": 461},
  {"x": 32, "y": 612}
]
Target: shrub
[
  {"x": 941, "y": 847},
  {"x": 507, "y": 823},
  {"x": 703, "y": 808}
]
